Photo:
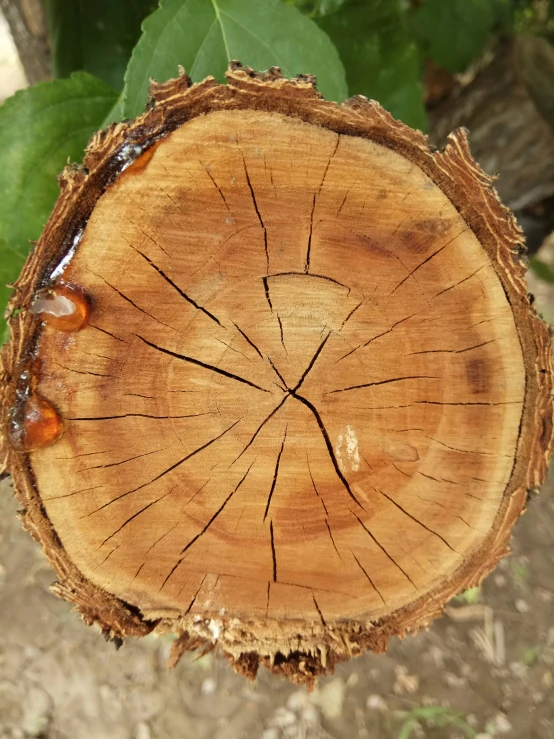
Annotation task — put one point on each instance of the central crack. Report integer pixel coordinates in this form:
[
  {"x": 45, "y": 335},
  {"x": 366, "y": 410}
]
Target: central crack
[{"x": 293, "y": 393}]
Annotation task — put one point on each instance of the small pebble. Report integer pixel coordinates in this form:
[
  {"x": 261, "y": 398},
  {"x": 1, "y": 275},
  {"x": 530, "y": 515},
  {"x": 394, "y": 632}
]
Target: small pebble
[
  {"x": 283, "y": 718},
  {"x": 466, "y": 669},
  {"x": 454, "y": 681},
  {"x": 142, "y": 731},
  {"x": 354, "y": 679},
  {"x": 547, "y": 680},
  {"x": 296, "y": 701},
  {"x": 310, "y": 716},
  {"x": 438, "y": 656},
  {"x": 501, "y": 724},
  {"x": 208, "y": 686},
  {"x": 405, "y": 683},
  {"x": 330, "y": 698},
  {"x": 519, "y": 669},
  {"x": 376, "y": 702},
  {"x": 522, "y": 606}
]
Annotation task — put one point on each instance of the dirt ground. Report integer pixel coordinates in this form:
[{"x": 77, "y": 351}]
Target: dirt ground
[{"x": 489, "y": 662}]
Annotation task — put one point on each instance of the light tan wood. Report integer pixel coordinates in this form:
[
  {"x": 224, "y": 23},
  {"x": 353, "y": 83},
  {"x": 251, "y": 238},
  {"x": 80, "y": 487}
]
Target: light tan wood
[{"x": 296, "y": 411}]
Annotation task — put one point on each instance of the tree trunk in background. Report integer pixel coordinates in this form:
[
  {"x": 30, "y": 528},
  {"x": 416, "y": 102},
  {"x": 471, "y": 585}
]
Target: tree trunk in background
[
  {"x": 28, "y": 28},
  {"x": 507, "y": 111}
]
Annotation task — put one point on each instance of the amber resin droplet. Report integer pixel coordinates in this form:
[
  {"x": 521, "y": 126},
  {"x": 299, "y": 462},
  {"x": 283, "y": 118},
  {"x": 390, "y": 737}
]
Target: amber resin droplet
[
  {"x": 64, "y": 307},
  {"x": 33, "y": 424}
]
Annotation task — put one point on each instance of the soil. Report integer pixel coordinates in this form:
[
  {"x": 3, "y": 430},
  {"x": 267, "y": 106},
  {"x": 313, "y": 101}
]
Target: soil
[{"x": 490, "y": 660}]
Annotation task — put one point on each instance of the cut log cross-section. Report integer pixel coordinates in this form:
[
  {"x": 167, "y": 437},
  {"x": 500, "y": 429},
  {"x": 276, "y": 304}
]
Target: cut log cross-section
[{"x": 301, "y": 393}]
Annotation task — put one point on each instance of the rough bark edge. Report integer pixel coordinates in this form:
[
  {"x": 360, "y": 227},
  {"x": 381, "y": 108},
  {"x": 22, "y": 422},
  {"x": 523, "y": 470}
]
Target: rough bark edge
[{"x": 296, "y": 650}]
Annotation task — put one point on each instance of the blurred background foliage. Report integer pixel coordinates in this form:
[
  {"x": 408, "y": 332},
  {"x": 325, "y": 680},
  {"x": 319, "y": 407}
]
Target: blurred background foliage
[{"x": 410, "y": 55}]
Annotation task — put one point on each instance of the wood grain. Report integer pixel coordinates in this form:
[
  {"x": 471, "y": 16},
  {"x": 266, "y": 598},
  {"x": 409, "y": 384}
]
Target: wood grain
[{"x": 312, "y": 393}]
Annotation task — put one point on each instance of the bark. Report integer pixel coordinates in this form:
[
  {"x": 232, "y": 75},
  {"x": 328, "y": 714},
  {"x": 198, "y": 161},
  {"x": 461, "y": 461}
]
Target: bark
[
  {"x": 309, "y": 393},
  {"x": 27, "y": 24},
  {"x": 507, "y": 110}
]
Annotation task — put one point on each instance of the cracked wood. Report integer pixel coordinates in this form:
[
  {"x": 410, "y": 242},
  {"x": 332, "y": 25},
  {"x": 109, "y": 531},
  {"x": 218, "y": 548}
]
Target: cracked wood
[
  {"x": 308, "y": 385},
  {"x": 327, "y": 309}
]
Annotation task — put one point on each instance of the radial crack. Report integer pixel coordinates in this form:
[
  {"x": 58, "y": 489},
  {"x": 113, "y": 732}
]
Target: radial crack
[
  {"x": 135, "y": 515},
  {"x": 318, "y": 609},
  {"x": 198, "y": 363},
  {"x": 128, "y": 300},
  {"x": 260, "y": 427},
  {"x": 313, "y": 361},
  {"x": 362, "y": 568},
  {"x": 382, "y": 548},
  {"x": 332, "y": 538},
  {"x": 349, "y": 316},
  {"x": 248, "y": 340},
  {"x": 373, "y": 338},
  {"x": 195, "y": 596},
  {"x": 134, "y": 415},
  {"x": 217, "y": 187},
  {"x": 446, "y": 289},
  {"x": 432, "y": 256},
  {"x": 276, "y": 474},
  {"x": 267, "y": 296},
  {"x": 282, "y": 333},
  {"x": 207, "y": 526},
  {"x": 181, "y": 292},
  {"x": 273, "y": 552},
  {"x": 108, "y": 333},
  {"x": 279, "y": 375},
  {"x": 329, "y": 446},
  {"x": 123, "y": 461},
  {"x": 254, "y": 201},
  {"x": 165, "y": 472},
  {"x": 307, "y": 263},
  {"x": 417, "y": 520},
  {"x": 384, "y": 382}
]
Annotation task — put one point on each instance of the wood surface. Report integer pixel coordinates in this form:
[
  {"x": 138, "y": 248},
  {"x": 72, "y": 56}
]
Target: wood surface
[{"x": 310, "y": 394}]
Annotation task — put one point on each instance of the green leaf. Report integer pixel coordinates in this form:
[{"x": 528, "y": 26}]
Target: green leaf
[
  {"x": 407, "y": 729},
  {"x": 531, "y": 655},
  {"x": 504, "y": 14},
  {"x": 40, "y": 128},
  {"x": 381, "y": 61},
  {"x": 471, "y": 595},
  {"x": 454, "y": 33},
  {"x": 317, "y": 7},
  {"x": 96, "y": 37},
  {"x": 203, "y": 35},
  {"x": 544, "y": 272},
  {"x": 326, "y": 7},
  {"x": 439, "y": 715}
]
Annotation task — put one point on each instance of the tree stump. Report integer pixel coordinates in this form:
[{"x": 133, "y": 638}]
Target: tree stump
[{"x": 274, "y": 381}]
